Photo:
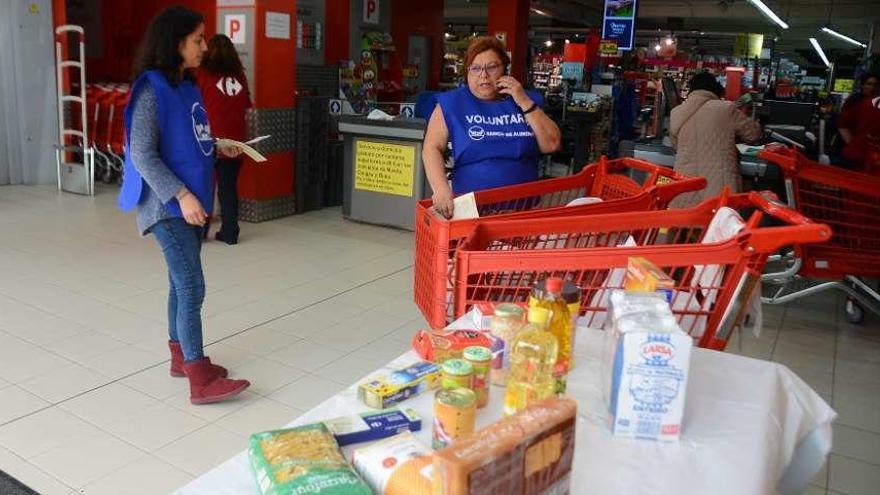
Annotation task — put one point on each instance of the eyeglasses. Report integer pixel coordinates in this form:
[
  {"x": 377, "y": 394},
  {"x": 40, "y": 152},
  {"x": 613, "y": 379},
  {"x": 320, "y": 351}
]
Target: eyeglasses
[{"x": 491, "y": 68}]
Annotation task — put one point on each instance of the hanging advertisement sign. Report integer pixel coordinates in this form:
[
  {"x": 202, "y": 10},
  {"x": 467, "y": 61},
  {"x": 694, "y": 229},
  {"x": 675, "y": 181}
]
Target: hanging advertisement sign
[
  {"x": 371, "y": 11},
  {"x": 620, "y": 22}
]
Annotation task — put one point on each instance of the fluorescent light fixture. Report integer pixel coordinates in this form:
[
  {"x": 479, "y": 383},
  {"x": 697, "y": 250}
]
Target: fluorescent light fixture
[
  {"x": 769, "y": 13},
  {"x": 844, "y": 37},
  {"x": 820, "y": 52},
  {"x": 540, "y": 12}
]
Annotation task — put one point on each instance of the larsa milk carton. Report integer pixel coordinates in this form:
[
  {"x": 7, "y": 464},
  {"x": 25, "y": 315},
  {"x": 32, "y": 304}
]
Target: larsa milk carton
[{"x": 645, "y": 365}]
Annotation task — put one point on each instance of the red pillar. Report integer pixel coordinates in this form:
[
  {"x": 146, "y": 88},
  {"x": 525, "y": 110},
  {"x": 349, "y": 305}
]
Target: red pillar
[
  {"x": 337, "y": 38},
  {"x": 511, "y": 17},
  {"x": 425, "y": 18},
  {"x": 273, "y": 88}
]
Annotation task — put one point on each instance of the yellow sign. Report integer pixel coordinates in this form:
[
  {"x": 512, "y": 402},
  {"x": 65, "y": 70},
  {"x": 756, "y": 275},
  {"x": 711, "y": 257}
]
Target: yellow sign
[
  {"x": 608, "y": 47},
  {"x": 843, "y": 85},
  {"x": 748, "y": 45},
  {"x": 384, "y": 167}
]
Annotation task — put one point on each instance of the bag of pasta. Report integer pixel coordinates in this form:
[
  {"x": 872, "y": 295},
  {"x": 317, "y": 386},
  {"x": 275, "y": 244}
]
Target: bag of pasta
[{"x": 305, "y": 459}]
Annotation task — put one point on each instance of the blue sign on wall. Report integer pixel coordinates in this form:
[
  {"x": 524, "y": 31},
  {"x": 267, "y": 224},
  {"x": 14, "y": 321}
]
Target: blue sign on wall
[{"x": 620, "y": 22}]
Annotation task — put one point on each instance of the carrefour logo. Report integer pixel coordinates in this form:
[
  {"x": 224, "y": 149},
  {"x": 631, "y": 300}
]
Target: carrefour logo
[
  {"x": 476, "y": 132},
  {"x": 202, "y": 129}
]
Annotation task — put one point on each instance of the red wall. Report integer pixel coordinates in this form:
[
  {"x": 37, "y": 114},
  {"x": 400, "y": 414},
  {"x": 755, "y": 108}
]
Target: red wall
[
  {"x": 512, "y": 17},
  {"x": 424, "y": 17},
  {"x": 337, "y": 36}
]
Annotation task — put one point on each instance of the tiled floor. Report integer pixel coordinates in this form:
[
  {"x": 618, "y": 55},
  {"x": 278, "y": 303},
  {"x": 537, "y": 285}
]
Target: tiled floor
[{"x": 302, "y": 307}]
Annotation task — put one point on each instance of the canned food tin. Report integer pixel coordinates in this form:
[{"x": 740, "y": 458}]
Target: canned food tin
[
  {"x": 455, "y": 415},
  {"x": 481, "y": 360},
  {"x": 456, "y": 373}
]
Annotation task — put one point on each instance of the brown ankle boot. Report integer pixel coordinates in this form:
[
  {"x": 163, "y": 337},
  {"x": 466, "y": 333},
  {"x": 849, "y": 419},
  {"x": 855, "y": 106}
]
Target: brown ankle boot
[
  {"x": 206, "y": 386},
  {"x": 177, "y": 362}
]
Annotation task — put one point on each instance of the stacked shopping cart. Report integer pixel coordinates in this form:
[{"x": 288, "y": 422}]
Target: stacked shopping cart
[{"x": 525, "y": 233}]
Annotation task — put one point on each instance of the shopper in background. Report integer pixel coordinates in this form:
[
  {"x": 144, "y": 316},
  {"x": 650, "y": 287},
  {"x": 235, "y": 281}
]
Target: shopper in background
[
  {"x": 168, "y": 177},
  {"x": 225, "y": 90},
  {"x": 497, "y": 129},
  {"x": 704, "y": 131},
  {"x": 859, "y": 126}
]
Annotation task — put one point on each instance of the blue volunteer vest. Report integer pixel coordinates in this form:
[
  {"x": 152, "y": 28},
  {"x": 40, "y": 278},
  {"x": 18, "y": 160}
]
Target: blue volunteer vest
[
  {"x": 492, "y": 144},
  {"x": 185, "y": 142}
]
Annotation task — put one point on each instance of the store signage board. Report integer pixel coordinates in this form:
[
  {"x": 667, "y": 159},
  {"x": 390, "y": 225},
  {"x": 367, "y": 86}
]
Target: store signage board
[
  {"x": 407, "y": 110},
  {"x": 235, "y": 27},
  {"x": 608, "y": 48},
  {"x": 620, "y": 22},
  {"x": 278, "y": 25},
  {"x": 236, "y": 3},
  {"x": 334, "y": 107},
  {"x": 384, "y": 167},
  {"x": 371, "y": 11}
]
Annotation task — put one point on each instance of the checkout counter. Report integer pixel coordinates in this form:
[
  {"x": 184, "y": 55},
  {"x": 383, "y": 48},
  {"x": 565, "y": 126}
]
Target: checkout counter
[{"x": 382, "y": 170}]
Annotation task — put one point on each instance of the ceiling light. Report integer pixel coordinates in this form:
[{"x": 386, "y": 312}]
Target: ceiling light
[
  {"x": 567, "y": 41},
  {"x": 657, "y": 47},
  {"x": 768, "y": 12},
  {"x": 820, "y": 52},
  {"x": 548, "y": 43},
  {"x": 668, "y": 41},
  {"x": 844, "y": 37}
]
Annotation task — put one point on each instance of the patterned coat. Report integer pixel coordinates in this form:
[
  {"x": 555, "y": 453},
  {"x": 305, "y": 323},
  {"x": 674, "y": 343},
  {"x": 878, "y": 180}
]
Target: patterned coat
[{"x": 704, "y": 130}]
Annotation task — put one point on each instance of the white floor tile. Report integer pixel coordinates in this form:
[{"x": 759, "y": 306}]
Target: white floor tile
[
  {"x": 261, "y": 341},
  {"x": 25, "y": 361},
  {"x": 81, "y": 348},
  {"x": 31, "y": 475},
  {"x": 261, "y": 415},
  {"x": 108, "y": 404},
  {"x": 42, "y": 431},
  {"x": 350, "y": 369},
  {"x": 215, "y": 411},
  {"x": 124, "y": 361},
  {"x": 157, "y": 383},
  {"x": 307, "y": 392},
  {"x": 86, "y": 458},
  {"x": 857, "y": 444},
  {"x": 145, "y": 476},
  {"x": 155, "y": 426},
  {"x": 17, "y": 402},
  {"x": 852, "y": 476},
  {"x": 64, "y": 382},
  {"x": 199, "y": 451},
  {"x": 858, "y": 412},
  {"x": 306, "y": 356},
  {"x": 267, "y": 375},
  {"x": 228, "y": 356}
]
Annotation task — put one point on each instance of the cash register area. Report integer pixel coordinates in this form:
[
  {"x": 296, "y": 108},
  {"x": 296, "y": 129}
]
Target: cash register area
[{"x": 88, "y": 407}]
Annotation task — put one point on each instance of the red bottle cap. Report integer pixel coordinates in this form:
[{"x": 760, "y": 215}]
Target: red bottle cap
[{"x": 554, "y": 285}]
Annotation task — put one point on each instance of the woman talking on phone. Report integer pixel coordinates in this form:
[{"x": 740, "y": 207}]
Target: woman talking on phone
[
  {"x": 168, "y": 177},
  {"x": 497, "y": 129}
]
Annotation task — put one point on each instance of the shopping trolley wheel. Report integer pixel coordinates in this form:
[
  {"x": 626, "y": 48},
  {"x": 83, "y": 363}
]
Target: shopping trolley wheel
[{"x": 855, "y": 314}]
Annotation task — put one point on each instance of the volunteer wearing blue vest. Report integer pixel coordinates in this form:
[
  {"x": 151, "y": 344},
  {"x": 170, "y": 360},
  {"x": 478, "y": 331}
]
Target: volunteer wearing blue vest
[
  {"x": 497, "y": 129},
  {"x": 168, "y": 177}
]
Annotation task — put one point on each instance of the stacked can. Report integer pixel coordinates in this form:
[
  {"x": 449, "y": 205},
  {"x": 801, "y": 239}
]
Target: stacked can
[{"x": 480, "y": 359}]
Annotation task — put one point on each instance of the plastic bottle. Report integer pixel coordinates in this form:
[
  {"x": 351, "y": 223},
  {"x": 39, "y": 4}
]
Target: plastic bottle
[
  {"x": 561, "y": 323},
  {"x": 533, "y": 354}
]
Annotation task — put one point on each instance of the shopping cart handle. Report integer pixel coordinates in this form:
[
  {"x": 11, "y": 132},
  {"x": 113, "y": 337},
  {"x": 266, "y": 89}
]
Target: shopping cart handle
[
  {"x": 770, "y": 204},
  {"x": 780, "y": 155},
  {"x": 799, "y": 229}
]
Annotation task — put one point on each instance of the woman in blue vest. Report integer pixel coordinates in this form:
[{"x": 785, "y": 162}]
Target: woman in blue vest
[
  {"x": 168, "y": 176},
  {"x": 497, "y": 129}
]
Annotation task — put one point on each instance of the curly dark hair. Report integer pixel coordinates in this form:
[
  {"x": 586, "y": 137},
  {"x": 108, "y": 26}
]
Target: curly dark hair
[
  {"x": 706, "y": 81},
  {"x": 159, "y": 48},
  {"x": 222, "y": 58}
]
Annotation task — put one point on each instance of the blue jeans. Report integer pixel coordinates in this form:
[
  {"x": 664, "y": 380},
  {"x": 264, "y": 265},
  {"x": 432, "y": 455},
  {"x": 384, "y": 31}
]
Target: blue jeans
[{"x": 181, "y": 245}]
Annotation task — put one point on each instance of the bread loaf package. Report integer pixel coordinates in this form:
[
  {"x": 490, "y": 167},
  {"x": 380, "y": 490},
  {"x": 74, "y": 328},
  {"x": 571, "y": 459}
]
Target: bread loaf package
[
  {"x": 399, "y": 465},
  {"x": 305, "y": 459},
  {"x": 529, "y": 453}
]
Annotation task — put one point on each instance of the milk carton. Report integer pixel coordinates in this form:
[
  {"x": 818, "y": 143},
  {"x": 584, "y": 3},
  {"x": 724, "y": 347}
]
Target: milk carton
[{"x": 645, "y": 363}]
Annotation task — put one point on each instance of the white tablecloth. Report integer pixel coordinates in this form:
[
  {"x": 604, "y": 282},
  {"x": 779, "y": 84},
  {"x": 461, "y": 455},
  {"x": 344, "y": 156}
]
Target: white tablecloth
[{"x": 750, "y": 427}]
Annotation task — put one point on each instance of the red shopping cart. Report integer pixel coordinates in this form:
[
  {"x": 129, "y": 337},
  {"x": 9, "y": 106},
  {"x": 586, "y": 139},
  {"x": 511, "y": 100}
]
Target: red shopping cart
[
  {"x": 847, "y": 201},
  {"x": 623, "y": 184},
  {"x": 501, "y": 260}
]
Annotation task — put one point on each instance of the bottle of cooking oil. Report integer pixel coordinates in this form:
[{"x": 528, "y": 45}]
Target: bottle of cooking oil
[
  {"x": 533, "y": 354},
  {"x": 561, "y": 322}
]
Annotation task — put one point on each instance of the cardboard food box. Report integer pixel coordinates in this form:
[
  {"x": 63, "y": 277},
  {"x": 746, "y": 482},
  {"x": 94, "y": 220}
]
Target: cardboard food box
[
  {"x": 382, "y": 392},
  {"x": 369, "y": 426},
  {"x": 529, "y": 453}
]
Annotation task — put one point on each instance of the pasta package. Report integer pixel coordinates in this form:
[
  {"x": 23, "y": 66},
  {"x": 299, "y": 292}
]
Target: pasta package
[
  {"x": 399, "y": 465},
  {"x": 302, "y": 460},
  {"x": 529, "y": 453}
]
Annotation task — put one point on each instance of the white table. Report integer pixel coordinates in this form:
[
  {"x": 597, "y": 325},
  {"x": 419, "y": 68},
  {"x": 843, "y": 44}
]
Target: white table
[{"x": 750, "y": 427}]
